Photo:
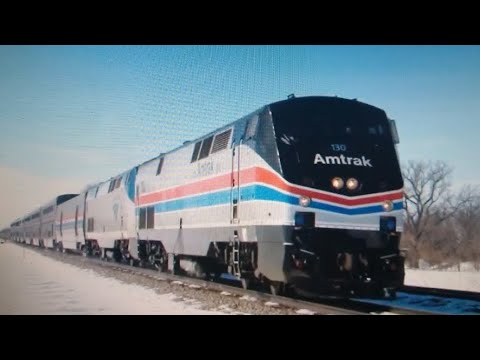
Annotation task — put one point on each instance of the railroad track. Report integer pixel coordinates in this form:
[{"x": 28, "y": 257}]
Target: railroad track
[
  {"x": 457, "y": 294},
  {"x": 319, "y": 307}
]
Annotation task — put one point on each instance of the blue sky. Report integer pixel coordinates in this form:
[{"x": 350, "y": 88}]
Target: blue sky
[{"x": 72, "y": 115}]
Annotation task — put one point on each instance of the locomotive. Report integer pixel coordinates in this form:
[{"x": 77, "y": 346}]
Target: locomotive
[{"x": 302, "y": 195}]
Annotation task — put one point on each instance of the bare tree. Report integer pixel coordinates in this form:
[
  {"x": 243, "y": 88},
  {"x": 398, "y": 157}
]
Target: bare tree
[
  {"x": 428, "y": 200},
  {"x": 467, "y": 225}
]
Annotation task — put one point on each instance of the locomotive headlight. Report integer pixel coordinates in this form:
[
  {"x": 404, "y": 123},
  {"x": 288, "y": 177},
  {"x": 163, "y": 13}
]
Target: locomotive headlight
[
  {"x": 387, "y": 205},
  {"x": 337, "y": 183},
  {"x": 304, "y": 201},
  {"x": 352, "y": 184}
]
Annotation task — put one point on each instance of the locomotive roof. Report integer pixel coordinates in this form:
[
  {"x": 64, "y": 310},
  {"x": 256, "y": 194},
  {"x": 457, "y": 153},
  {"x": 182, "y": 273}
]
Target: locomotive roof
[{"x": 324, "y": 99}]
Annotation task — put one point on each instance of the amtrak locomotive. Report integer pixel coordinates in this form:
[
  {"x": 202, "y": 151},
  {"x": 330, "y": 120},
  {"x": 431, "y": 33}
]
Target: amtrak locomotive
[{"x": 302, "y": 195}]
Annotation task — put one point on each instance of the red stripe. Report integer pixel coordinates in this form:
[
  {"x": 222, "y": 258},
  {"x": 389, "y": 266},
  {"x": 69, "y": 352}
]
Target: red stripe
[
  {"x": 216, "y": 183},
  {"x": 259, "y": 175},
  {"x": 270, "y": 178}
]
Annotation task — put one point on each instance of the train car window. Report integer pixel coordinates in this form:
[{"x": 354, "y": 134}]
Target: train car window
[
  {"x": 61, "y": 223},
  {"x": 221, "y": 141},
  {"x": 96, "y": 191},
  {"x": 150, "y": 217},
  {"x": 111, "y": 186},
  {"x": 103, "y": 189},
  {"x": 90, "y": 224},
  {"x": 76, "y": 220},
  {"x": 160, "y": 164},
  {"x": 90, "y": 193},
  {"x": 47, "y": 210},
  {"x": 206, "y": 145},
  {"x": 196, "y": 150},
  {"x": 142, "y": 218},
  {"x": 118, "y": 181}
]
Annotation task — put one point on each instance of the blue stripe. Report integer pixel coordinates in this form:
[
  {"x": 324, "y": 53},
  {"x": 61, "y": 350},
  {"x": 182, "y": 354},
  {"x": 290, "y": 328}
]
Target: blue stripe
[{"x": 261, "y": 192}]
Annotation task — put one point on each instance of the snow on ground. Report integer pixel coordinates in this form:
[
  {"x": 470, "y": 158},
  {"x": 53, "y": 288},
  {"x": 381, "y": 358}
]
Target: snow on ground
[
  {"x": 271, "y": 303},
  {"x": 305, "y": 312},
  {"x": 248, "y": 298},
  {"x": 34, "y": 284},
  {"x": 31, "y": 283},
  {"x": 444, "y": 279}
]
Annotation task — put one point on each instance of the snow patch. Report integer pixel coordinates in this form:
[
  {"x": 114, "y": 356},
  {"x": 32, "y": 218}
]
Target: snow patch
[
  {"x": 383, "y": 313},
  {"x": 454, "y": 280},
  {"x": 270, "y": 303},
  {"x": 305, "y": 312},
  {"x": 229, "y": 310}
]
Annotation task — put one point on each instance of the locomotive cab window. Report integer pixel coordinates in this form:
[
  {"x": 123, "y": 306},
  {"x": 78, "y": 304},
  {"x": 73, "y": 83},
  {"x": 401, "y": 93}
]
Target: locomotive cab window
[
  {"x": 196, "y": 150},
  {"x": 206, "y": 145},
  {"x": 160, "y": 165},
  {"x": 251, "y": 127}
]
